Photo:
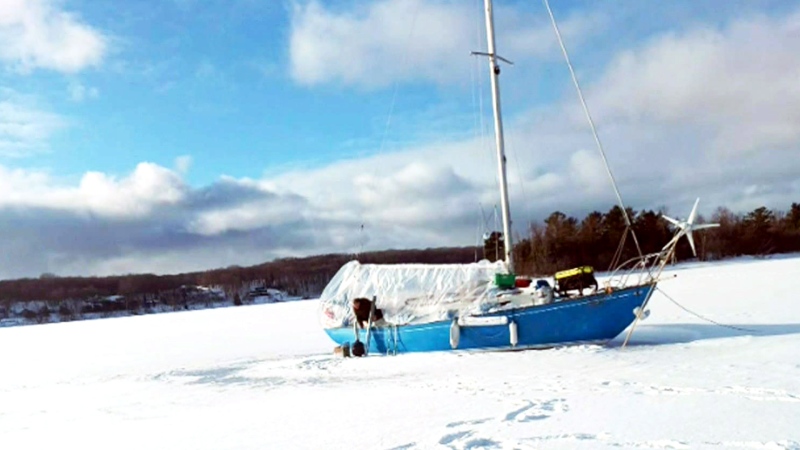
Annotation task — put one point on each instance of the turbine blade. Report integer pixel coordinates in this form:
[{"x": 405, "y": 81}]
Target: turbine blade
[
  {"x": 670, "y": 220},
  {"x": 691, "y": 242},
  {"x": 704, "y": 226},
  {"x": 692, "y": 215}
]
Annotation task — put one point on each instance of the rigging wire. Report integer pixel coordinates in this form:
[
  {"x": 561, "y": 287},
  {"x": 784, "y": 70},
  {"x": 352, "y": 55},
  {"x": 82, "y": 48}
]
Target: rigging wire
[
  {"x": 479, "y": 231},
  {"x": 618, "y": 254},
  {"x": 392, "y": 105},
  {"x": 477, "y": 97},
  {"x": 703, "y": 317},
  {"x": 592, "y": 126},
  {"x": 476, "y": 76},
  {"x": 497, "y": 241},
  {"x": 360, "y": 241},
  {"x": 519, "y": 172},
  {"x": 484, "y": 143},
  {"x": 479, "y": 37},
  {"x": 397, "y": 81}
]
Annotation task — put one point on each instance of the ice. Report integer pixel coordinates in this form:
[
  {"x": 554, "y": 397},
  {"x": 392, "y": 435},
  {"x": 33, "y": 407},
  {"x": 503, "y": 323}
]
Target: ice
[{"x": 264, "y": 376}]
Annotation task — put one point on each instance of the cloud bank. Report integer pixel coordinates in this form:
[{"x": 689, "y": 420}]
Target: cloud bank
[{"x": 703, "y": 112}]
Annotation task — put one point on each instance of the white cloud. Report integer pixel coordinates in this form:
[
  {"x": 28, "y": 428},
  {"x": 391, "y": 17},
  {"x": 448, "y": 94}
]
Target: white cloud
[
  {"x": 39, "y": 34},
  {"x": 136, "y": 195},
  {"x": 78, "y": 92},
  {"x": 183, "y": 163},
  {"x": 24, "y": 128},
  {"x": 738, "y": 83},
  {"x": 585, "y": 168},
  {"x": 708, "y": 112},
  {"x": 418, "y": 193},
  {"x": 268, "y": 211},
  {"x": 411, "y": 40}
]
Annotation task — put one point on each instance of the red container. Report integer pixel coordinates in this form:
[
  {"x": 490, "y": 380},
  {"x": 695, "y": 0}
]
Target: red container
[{"x": 522, "y": 282}]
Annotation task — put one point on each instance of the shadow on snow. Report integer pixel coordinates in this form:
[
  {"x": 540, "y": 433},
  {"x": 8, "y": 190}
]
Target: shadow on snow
[{"x": 681, "y": 333}]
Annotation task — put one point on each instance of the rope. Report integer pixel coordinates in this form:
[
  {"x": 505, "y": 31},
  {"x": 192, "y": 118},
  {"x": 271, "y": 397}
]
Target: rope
[
  {"x": 703, "y": 317},
  {"x": 591, "y": 125},
  {"x": 618, "y": 253}
]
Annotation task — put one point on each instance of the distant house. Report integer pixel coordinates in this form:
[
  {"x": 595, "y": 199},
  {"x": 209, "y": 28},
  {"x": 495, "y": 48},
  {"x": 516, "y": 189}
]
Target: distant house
[{"x": 265, "y": 295}]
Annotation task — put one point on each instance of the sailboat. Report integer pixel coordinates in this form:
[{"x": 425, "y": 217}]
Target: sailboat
[{"x": 401, "y": 308}]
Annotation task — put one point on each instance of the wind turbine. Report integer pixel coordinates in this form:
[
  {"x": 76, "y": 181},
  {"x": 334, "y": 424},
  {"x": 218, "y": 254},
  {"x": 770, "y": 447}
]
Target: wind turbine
[{"x": 685, "y": 228}]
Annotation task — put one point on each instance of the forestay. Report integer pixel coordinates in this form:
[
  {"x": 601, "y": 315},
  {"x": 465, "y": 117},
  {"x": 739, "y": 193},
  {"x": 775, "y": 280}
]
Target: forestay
[{"x": 411, "y": 293}]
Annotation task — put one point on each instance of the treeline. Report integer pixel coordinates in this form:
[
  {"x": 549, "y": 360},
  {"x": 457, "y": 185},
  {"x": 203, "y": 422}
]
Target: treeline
[
  {"x": 303, "y": 277},
  {"x": 562, "y": 242},
  {"x": 559, "y": 242}
]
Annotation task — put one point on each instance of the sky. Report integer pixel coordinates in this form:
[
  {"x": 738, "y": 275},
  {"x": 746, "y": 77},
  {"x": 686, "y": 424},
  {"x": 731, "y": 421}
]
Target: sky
[{"x": 165, "y": 136}]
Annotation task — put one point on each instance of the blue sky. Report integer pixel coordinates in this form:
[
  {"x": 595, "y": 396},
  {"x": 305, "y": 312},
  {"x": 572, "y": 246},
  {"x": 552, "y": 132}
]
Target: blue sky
[{"x": 165, "y": 136}]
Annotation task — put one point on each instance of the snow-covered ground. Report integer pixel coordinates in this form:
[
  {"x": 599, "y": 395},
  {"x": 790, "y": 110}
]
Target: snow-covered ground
[{"x": 264, "y": 377}]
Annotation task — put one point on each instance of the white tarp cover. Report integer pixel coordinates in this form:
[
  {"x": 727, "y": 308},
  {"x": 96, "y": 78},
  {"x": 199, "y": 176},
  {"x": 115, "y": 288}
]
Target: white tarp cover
[{"x": 410, "y": 293}]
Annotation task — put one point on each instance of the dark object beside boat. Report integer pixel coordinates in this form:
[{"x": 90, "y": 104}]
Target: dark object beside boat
[{"x": 576, "y": 279}]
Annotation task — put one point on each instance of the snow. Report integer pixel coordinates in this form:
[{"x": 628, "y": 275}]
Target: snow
[{"x": 264, "y": 376}]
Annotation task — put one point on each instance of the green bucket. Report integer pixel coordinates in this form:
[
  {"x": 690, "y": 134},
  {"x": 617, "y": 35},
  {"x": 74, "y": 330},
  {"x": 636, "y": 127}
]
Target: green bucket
[{"x": 505, "y": 280}]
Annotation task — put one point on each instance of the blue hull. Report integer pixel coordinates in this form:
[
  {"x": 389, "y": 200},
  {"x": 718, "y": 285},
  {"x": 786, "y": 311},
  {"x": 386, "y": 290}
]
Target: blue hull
[{"x": 599, "y": 317}]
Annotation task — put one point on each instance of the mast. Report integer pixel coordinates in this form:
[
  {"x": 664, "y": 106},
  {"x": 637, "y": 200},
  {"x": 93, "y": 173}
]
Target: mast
[{"x": 498, "y": 127}]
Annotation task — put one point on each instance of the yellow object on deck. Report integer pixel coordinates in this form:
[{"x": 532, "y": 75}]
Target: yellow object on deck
[{"x": 573, "y": 272}]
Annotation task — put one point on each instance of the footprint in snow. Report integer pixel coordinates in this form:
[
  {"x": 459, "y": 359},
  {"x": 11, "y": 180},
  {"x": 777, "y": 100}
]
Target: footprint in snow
[
  {"x": 479, "y": 443},
  {"x": 465, "y": 440},
  {"x": 467, "y": 422},
  {"x": 537, "y": 411},
  {"x": 453, "y": 437},
  {"x": 405, "y": 446}
]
